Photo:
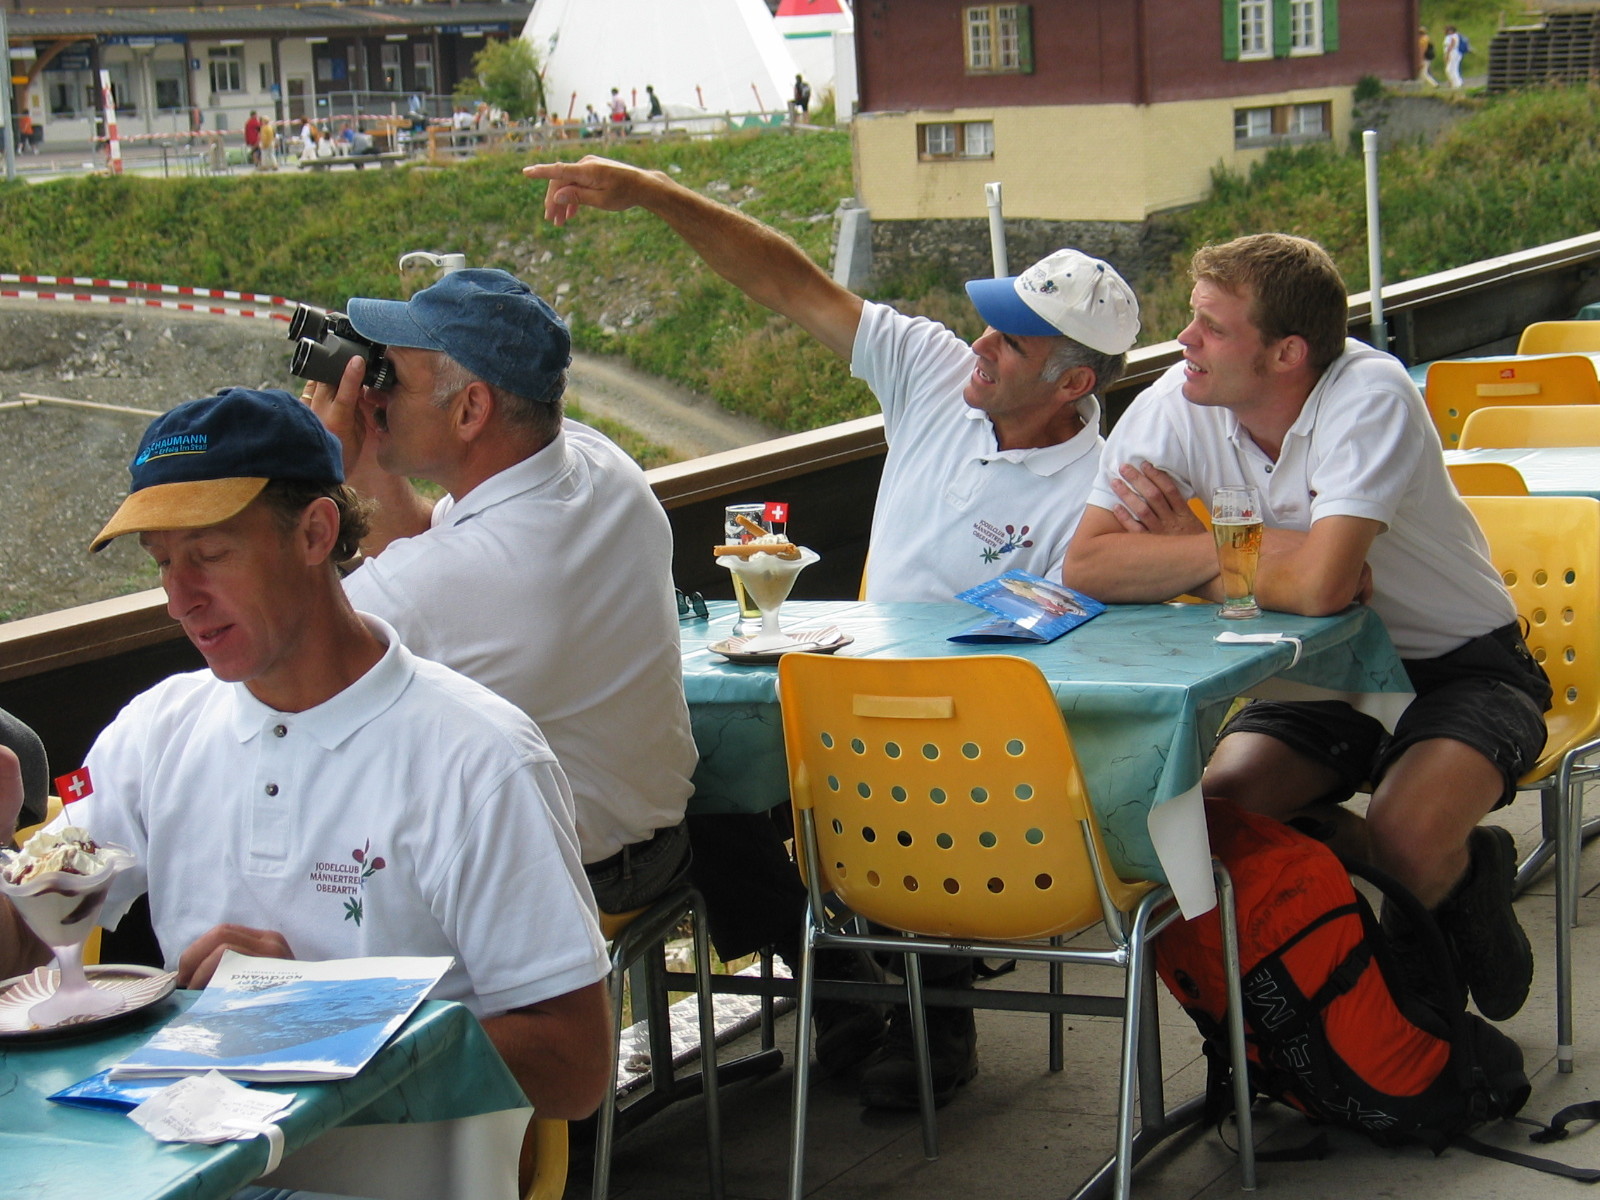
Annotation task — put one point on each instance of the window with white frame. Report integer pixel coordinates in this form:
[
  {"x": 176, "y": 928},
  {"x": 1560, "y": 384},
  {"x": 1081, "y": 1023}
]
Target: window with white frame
[
  {"x": 1305, "y": 26},
  {"x": 422, "y": 61},
  {"x": 1252, "y": 124},
  {"x": 1282, "y": 124},
  {"x": 266, "y": 75},
  {"x": 955, "y": 139},
  {"x": 1308, "y": 120},
  {"x": 999, "y": 39},
  {"x": 1270, "y": 29},
  {"x": 1255, "y": 28},
  {"x": 227, "y": 68},
  {"x": 391, "y": 66}
]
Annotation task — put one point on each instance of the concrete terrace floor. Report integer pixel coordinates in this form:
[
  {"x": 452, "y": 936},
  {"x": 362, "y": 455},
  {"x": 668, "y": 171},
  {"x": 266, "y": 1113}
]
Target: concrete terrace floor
[{"x": 1018, "y": 1131}]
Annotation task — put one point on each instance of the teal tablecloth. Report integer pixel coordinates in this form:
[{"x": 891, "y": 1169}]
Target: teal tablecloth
[
  {"x": 1547, "y": 470},
  {"x": 440, "y": 1066},
  {"x": 1143, "y": 688}
]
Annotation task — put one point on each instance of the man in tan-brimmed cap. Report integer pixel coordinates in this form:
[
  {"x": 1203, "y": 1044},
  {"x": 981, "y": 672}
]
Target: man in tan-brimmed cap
[{"x": 320, "y": 792}]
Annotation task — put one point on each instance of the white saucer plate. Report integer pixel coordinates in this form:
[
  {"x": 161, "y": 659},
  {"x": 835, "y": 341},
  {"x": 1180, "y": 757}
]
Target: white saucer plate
[
  {"x": 809, "y": 641},
  {"x": 138, "y": 987}
]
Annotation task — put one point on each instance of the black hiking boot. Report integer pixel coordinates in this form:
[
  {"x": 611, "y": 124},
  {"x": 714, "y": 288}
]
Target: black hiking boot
[
  {"x": 1482, "y": 929},
  {"x": 889, "y": 1079},
  {"x": 847, "y": 1031}
]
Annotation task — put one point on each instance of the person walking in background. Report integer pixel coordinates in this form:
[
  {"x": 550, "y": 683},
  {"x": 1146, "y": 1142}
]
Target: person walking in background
[
  {"x": 269, "y": 147},
  {"x": 1452, "y": 56},
  {"x": 1425, "y": 53},
  {"x": 655, "y": 101},
  {"x": 800, "y": 102},
  {"x": 252, "y": 138}
]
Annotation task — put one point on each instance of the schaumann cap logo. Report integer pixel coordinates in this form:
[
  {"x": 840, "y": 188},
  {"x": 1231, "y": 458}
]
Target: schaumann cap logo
[{"x": 177, "y": 443}]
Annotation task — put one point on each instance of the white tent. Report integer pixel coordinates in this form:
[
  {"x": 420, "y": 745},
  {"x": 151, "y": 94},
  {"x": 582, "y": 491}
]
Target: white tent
[
  {"x": 809, "y": 29},
  {"x": 705, "y": 55}
]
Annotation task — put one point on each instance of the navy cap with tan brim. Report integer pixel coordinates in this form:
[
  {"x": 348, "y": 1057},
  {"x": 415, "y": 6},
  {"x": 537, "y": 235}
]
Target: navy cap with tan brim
[{"x": 204, "y": 461}]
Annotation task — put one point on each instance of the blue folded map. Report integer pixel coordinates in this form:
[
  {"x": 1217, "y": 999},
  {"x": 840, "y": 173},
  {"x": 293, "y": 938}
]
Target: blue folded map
[{"x": 1025, "y": 608}]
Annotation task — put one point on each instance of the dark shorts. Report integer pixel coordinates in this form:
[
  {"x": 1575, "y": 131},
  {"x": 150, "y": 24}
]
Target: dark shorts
[
  {"x": 1488, "y": 694},
  {"x": 637, "y": 874}
]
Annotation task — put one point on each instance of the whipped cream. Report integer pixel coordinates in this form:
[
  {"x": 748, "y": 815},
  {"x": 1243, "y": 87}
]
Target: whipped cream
[{"x": 68, "y": 849}]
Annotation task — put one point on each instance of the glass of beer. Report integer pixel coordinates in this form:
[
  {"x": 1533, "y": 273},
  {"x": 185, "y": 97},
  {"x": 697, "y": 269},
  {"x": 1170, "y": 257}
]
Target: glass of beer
[
  {"x": 1236, "y": 524},
  {"x": 749, "y": 621}
]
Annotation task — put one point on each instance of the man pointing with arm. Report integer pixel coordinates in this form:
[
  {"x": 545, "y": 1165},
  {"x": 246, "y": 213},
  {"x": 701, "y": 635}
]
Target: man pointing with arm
[{"x": 993, "y": 447}]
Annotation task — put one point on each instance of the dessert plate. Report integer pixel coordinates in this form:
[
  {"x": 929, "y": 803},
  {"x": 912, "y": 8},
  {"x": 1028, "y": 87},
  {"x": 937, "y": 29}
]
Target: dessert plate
[
  {"x": 809, "y": 641},
  {"x": 138, "y": 987}
]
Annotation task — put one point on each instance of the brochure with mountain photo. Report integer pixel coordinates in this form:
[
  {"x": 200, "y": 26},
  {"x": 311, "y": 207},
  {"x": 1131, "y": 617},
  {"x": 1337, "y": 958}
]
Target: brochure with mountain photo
[
  {"x": 1025, "y": 608},
  {"x": 277, "y": 1020}
]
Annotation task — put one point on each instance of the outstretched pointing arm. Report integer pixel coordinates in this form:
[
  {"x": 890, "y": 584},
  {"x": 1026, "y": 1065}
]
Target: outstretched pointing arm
[{"x": 758, "y": 260}]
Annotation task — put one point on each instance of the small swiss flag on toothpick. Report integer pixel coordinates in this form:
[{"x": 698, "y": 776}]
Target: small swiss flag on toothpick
[
  {"x": 74, "y": 785},
  {"x": 776, "y": 512}
]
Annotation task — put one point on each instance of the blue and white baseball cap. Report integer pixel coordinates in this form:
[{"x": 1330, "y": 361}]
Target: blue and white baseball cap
[{"x": 1069, "y": 293}]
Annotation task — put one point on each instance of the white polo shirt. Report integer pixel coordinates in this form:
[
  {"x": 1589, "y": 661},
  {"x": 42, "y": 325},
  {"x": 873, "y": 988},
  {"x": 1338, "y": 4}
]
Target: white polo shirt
[
  {"x": 414, "y": 813},
  {"x": 953, "y": 508},
  {"x": 551, "y": 585},
  {"x": 1363, "y": 446}
]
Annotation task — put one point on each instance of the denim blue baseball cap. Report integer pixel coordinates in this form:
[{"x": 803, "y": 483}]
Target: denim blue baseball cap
[
  {"x": 202, "y": 462},
  {"x": 488, "y": 321}
]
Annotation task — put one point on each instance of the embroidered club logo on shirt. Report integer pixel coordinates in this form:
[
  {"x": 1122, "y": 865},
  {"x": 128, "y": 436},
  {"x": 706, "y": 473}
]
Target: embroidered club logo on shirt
[
  {"x": 997, "y": 541},
  {"x": 349, "y": 879},
  {"x": 74, "y": 785}
]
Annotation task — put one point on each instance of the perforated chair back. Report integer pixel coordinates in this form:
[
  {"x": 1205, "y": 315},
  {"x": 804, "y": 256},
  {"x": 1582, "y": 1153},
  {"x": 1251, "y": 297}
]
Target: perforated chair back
[
  {"x": 1560, "y": 337},
  {"x": 1547, "y": 549},
  {"x": 1533, "y": 425},
  {"x": 946, "y": 795},
  {"x": 1459, "y": 388},
  {"x": 1487, "y": 479}
]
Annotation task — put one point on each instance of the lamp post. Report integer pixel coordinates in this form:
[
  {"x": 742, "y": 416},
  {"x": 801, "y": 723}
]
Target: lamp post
[{"x": 7, "y": 133}]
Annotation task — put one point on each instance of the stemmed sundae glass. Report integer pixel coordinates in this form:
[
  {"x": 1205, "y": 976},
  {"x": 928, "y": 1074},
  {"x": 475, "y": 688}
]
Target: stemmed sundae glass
[
  {"x": 767, "y": 580},
  {"x": 62, "y": 908}
]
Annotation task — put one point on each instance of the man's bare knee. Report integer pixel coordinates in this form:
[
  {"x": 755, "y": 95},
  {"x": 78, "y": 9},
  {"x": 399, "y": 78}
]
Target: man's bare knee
[{"x": 1261, "y": 774}]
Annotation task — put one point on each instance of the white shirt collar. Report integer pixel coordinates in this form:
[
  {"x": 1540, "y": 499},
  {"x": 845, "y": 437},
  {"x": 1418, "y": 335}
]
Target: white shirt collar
[
  {"x": 1045, "y": 461},
  {"x": 536, "y": 471},
  {"x": 342, "y": 714}
]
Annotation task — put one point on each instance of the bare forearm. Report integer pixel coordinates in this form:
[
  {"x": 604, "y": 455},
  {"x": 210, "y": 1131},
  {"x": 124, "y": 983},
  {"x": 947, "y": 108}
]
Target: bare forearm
[
  {"x": 1294, "y": 577},
  {"x": 1141, "y": 568},
  {"x": 559, "y": 1051}
]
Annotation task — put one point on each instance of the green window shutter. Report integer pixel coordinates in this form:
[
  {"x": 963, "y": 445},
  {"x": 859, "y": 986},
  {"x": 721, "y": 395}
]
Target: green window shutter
[
  {"x": 1280, "y": 28},
  {"x": 1025, "y": 38},
  {"x": 1230, "y": 30},
  {"x": 1330, "y": 26}
]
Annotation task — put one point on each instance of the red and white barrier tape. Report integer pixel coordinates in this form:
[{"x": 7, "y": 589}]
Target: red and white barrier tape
[
  {"x": 131, "y": 285},
  {"x": 179, "y": 305}
]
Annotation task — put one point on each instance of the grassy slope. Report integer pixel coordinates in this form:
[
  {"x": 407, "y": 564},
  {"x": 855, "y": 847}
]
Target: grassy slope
[{"x": 1521, "y": 171}]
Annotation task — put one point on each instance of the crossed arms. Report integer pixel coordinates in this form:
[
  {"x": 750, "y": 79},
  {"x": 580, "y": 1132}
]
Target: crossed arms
[{"x": 1152, "y": 547}]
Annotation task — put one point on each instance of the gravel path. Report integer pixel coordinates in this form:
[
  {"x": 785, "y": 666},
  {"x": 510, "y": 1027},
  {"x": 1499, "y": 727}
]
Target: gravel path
[{"x": 64, "y": 470}]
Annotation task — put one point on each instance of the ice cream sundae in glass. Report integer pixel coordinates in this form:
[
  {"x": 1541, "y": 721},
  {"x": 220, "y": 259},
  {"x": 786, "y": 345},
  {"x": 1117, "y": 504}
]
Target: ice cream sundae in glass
[
  {"x": 767, "y": 567},
  {"x": 58, "y": 882}
]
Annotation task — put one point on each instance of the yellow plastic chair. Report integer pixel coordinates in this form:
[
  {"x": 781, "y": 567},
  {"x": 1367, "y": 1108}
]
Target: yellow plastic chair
[
  {"x": 1488, "y": 478},
  {"x": 1547, "y": 549},
  {"x": 638, "y": 941},
  {"x": 548, "y": 1146},
  {"x": 942, "y": 798},
  {"x": 1560, "y": 337},
  {"x": 1457, "y": 388},
  {"x": 1533, "y": 425}
]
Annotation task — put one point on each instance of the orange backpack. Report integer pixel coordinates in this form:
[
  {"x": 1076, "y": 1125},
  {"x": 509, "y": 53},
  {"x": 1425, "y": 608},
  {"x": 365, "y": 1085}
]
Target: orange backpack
[{"x": 1333, "y": 1027}]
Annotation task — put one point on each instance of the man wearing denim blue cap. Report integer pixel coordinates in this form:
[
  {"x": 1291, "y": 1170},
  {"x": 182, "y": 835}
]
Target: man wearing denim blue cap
[
  {"x": 993, "y": 448},
  {"x": 321, "y": 792},
  {"x": 546, "y": 572}
]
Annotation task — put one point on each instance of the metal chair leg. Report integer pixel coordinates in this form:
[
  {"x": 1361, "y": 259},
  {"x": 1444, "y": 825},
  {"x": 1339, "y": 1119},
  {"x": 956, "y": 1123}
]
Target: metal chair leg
[
  {"x": 919, "y": 1040},
  {"x": 708, "y": 1050},
  {"x": 802, "y": 1065},
  {"x": 1243, "y": 1117}
]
